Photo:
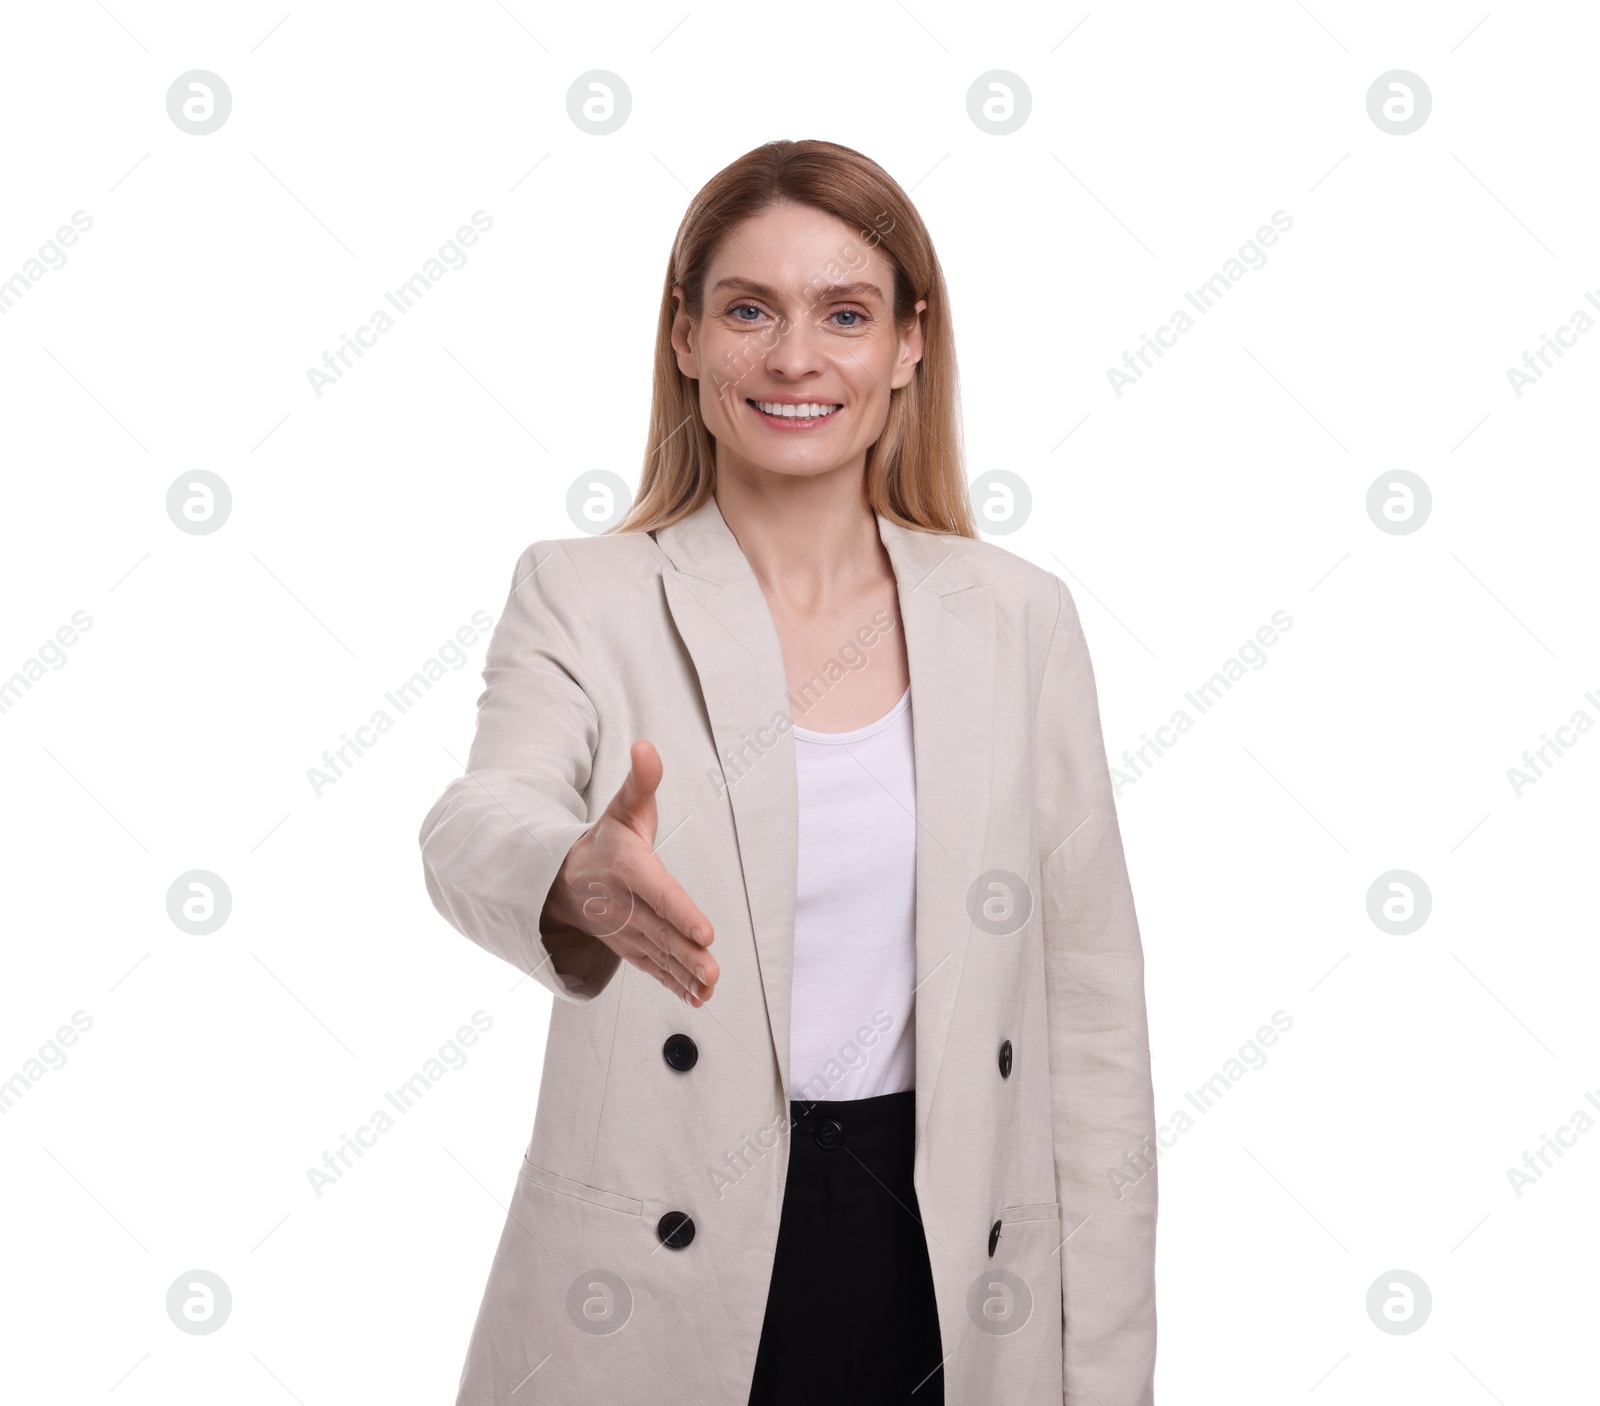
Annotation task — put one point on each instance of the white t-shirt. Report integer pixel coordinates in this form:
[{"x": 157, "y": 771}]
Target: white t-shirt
[{"x": 852, "y": 1031}]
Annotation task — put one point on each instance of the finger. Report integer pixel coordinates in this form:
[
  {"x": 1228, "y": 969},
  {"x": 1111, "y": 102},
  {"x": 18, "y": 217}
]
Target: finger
[
  {"x": 635, "y": 802},
  {"x": 650, "y": 959},
  {"x": 674, "y": 950},
  {"x": 621, "y": 917},
  {"x": 652, "y": 881},
  {"x": 649, "y": 968}
]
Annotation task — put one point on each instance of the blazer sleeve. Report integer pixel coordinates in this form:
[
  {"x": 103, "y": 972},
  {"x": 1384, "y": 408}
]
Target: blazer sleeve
[
  {"x": 1102, "y": 1102},
  {"x": 492, "y": 843}
]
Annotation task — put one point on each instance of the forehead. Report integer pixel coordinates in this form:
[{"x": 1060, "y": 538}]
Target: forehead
[{"x": 792, "y": 247}]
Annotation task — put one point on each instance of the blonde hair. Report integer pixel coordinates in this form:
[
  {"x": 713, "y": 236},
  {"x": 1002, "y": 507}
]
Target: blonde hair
[{"x": 915, "y": 472}]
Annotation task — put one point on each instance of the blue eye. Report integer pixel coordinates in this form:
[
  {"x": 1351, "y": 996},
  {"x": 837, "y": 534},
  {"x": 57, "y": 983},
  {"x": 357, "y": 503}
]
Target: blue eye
[{"x": 736, "y": 309}]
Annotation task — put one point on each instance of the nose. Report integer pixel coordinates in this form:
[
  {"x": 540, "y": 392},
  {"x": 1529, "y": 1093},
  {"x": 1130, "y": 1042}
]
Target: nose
[{"x": 798, "y": 351}]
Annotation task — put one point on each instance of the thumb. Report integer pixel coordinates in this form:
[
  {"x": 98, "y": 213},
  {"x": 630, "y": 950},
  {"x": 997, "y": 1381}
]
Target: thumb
[{"x": 635, "y": 802}]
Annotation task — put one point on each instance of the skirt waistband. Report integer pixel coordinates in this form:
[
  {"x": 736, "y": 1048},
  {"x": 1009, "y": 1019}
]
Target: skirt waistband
[{"x": 884, "y": 1125}]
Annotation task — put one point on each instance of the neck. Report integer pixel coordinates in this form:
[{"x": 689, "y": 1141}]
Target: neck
[{"x": 808, "y": 539}]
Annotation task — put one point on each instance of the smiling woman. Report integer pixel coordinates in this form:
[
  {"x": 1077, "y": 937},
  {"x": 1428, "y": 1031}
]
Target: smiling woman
[
  {"x": 912, "y": 911},
  {"x": 840, "y": 368},
  {"x": 804, "y": 304}
]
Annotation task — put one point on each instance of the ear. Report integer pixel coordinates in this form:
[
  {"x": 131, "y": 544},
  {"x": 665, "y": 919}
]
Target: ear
[
  {"x": 683, "y": 338},
  {"x": 910, "y": 349}
]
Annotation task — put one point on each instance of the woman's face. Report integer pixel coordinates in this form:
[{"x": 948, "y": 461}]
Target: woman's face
[{"x": 797, "y": 319}]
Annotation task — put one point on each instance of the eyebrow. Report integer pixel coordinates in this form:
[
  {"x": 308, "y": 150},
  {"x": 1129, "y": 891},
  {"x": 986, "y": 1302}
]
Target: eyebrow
[{"x": 833, "y": 290}]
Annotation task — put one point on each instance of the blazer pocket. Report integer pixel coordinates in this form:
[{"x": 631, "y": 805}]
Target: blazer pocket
[
  {"x": 1039, "y": 1210},
  {"x": 580, "y": 1191}
]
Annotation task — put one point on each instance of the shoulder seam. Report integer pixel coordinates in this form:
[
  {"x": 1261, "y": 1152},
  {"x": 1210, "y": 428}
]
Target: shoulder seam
[{"x": 1055, "y": 631}]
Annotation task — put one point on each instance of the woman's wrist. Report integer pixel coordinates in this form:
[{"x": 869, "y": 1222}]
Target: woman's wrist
[{"x": 560, "y": 914}]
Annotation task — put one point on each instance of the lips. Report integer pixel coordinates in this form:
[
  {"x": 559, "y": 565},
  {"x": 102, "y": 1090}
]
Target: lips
[
  {"x": 799, "y": 415},
  {"x": 812, "y": 409}
]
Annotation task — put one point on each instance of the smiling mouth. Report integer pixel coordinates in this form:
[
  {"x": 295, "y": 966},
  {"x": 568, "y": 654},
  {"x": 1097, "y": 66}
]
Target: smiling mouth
[{"x": 809, "y": 412}]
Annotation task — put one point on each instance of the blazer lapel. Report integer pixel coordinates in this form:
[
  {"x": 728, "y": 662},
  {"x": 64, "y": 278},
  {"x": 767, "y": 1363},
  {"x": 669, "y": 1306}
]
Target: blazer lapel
[
  {"x": 949, "y": 627},
  {"x": 722, "y": 617}
]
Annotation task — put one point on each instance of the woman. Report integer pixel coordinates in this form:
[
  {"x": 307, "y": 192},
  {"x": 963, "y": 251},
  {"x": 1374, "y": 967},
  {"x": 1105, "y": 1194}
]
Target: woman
[{"x": 847, "y": 1089}]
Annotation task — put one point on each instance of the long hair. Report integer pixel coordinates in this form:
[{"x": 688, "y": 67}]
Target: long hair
[{"x": 915, "y": 472}]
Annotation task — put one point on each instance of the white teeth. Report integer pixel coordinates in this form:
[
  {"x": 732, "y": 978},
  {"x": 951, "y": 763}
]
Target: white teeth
[{"x": 793, "y": 412}]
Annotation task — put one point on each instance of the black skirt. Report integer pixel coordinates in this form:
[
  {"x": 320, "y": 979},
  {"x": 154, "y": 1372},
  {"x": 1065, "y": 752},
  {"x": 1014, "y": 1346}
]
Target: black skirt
[{"x": 851, "y": 1316}]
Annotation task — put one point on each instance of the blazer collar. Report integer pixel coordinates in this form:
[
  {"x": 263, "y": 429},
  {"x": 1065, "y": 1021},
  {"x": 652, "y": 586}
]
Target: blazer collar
[
  {"x": 723, "y": 619},
  {"x": 702, "y": 545}
]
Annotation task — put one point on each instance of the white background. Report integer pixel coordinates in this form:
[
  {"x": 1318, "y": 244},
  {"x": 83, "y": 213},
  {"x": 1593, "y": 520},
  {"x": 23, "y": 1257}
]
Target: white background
[{"x": 368, "y": 525}]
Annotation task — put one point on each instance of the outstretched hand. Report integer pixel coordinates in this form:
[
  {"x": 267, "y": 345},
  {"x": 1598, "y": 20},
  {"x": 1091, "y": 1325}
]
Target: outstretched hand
[{"x": 612, "y": 886}]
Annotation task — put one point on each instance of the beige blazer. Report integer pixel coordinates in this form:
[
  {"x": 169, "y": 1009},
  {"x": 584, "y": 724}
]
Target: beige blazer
[{"x": 636, "y": 1258}]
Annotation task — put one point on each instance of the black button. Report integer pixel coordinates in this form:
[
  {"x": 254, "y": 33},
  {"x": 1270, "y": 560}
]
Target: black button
[
  {"x": 680, "y": 1052},
  {"x": 1005, "y": 1060},
  {"x": 675, "y": 1229},
  {"x": 994, "y": 1238},
  {"x": 829, "y": 1134}
]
